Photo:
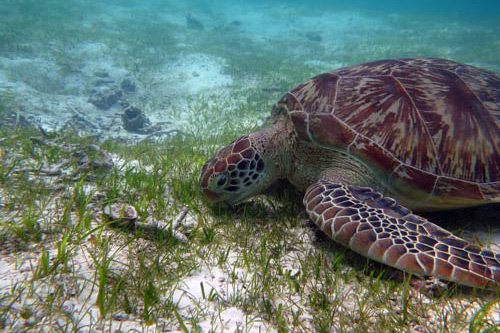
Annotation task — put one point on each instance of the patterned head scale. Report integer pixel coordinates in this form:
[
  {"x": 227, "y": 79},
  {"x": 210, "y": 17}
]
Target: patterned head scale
[{"x": 235, "y": 169}]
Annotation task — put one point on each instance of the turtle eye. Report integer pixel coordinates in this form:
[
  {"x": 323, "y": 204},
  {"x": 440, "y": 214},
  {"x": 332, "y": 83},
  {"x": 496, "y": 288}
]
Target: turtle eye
[{"x": 222, "y": 179}]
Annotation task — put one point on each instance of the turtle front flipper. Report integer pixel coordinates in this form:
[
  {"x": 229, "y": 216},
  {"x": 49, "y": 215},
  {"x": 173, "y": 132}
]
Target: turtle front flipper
[{"x": 377, "y": 227}]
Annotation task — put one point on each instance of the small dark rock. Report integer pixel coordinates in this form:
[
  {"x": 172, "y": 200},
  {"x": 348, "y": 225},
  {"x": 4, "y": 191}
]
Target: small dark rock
[
  {"x": 128, "y": 86},
  {"x": 103, "y": 82},
  {"x": 193, "y": 23},
  {"x": 105, "y": 98},
  {"x": 101, "y": 74},
  {"x": 134, "y": 120},
  {"x": 235, "y": 23},
  {"x": 314, "y": 37},
  {"x": 121, "y": 316}
]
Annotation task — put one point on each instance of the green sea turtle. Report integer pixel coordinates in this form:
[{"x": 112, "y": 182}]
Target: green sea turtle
[{"x": 425, "y": 132}]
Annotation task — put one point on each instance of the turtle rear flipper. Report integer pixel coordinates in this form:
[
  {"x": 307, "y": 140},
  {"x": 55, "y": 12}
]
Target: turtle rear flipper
[{"x": 377, "y": 227}]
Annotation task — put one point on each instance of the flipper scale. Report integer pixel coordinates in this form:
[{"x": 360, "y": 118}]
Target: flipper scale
[{"x": 379, "y": 228}]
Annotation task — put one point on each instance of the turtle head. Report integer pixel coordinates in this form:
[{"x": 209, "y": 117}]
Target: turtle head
[{"x": 238, "y": 171}]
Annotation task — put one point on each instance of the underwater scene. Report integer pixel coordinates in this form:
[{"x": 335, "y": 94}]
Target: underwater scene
[{"x": 170, "y": 166}]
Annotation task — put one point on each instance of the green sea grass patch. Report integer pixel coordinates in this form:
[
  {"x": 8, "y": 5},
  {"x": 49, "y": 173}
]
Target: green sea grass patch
[{"x": 275, "y": 266}]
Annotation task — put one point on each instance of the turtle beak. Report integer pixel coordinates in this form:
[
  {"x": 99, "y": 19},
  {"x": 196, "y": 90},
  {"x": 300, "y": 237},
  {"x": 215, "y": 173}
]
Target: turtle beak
[
  {"x": 219, "y": 200},
  {"x": 215, "y": 201},
  {"x": 210, "y": 195}
]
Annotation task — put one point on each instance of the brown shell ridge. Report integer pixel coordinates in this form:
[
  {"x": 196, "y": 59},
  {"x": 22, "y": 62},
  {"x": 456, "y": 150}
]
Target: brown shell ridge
[
  {"x": 434, "y": 115},
  {"x": 357, "y": 134},
  {"x": 296, "y": 101},
  {"x": 306, "y": 122},
  {"x": 426, "y": 128},
  {"x": 337, "y": 84},
  {"x": 348, "y": 149},
  {"x": 481, "y": 192},
  {"x": 437, "y": 180},
  {"x": 433, "y": 158},
  {"x": 378, "y": 94},
  {"x": 302, "y": 112},
  {"x": 403, "y": 164},
  {"x": 468, "y": 87},
  {"x": 496, "y": 114}
]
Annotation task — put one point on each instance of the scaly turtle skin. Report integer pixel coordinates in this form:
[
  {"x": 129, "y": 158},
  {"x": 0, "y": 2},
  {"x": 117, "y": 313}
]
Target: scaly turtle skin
[{"x": 425, "y": 132}]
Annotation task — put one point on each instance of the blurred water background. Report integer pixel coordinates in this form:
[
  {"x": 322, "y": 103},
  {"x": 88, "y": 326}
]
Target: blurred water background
[{"x": 188, "y": 65}]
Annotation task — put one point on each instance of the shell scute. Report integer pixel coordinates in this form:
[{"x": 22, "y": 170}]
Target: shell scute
[
  {"x": 300, "y": 122},
  {"x": 368, "y": 150},
  {"x": 290, "y": 103},
  {"x": 317, "y": 95},
  {"x": 320, "y": 126},
  {"x": 374, "y": 68},
  {"x": 415, "y": 120},
  {"x": 380, "y": 109},
  {"x": 485, "y": 86},
  {"x": 491, "y": 190},
  {"x": 406, "y": 174},
  {"x": 451, "y": 187},
  {"x": 456, "y": 120}
]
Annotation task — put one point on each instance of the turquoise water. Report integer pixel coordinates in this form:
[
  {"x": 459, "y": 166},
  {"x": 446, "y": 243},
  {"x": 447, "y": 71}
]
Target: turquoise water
[
  {"x": 181, "y": 53},
  {"x": 193, "y": 76}
]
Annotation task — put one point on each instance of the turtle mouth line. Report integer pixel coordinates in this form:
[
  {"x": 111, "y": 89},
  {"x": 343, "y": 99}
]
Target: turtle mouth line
[
  {"x": 234, "y": 201},
  {"x": 211, "y": 196},
  {"x": 215, "y": 198}
]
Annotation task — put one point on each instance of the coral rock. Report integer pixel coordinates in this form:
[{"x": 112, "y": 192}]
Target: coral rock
[{"x": 134, "y": 120}]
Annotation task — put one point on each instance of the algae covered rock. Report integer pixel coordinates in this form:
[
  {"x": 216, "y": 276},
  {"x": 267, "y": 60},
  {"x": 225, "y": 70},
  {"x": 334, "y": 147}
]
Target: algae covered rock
[
  {"x": 104, "y": 99},
  {"x": 134, "y": 120}
]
